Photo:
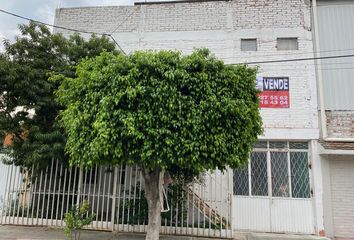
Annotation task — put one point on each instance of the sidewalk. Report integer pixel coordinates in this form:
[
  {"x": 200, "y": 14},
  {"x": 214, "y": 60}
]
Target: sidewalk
[
  {"x": 45, "y": 233},
  {"x": 274, "y": 236}
]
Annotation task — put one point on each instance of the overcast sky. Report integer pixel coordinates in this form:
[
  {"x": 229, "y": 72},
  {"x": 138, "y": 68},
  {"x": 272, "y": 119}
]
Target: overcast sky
[{"x": 42, "y": 10}]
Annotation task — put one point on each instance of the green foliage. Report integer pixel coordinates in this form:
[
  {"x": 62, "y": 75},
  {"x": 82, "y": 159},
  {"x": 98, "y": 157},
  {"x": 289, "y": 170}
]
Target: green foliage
[
  {"x": 27, "y": 107},
  {"x": 184, "y": 114},
  {"x": 76, "y": 219}
]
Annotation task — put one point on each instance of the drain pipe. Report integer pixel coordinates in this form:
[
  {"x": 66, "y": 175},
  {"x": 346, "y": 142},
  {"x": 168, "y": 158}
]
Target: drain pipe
[
  {"x": 320, "y": 81},
  {"x": 319, "y": 72}
]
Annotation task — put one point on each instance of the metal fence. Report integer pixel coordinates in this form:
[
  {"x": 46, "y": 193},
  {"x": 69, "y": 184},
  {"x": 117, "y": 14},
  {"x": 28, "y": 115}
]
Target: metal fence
[{"x": 116, "y": 198}]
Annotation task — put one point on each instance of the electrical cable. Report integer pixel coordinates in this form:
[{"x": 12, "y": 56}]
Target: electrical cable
[
  {"x": 64, "y": 28},
  {"x": 258, "y": 62},
  {"x": 295, "y": 59},
  {"x": 123, "y": 21}
]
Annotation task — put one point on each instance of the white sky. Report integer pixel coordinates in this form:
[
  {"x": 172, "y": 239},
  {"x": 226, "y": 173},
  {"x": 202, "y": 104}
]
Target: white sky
[{"x": 42, "y": 10}]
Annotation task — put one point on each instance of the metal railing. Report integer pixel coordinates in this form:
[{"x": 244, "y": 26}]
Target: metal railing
[{"x": 116, "y": 198}]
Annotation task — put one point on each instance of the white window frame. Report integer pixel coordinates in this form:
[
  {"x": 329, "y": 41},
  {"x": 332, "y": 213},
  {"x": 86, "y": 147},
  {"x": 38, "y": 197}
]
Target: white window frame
[{"x": 268, "y": 151}]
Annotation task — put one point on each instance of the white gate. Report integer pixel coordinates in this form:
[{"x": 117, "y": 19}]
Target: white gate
[
  {"x": 272, "y": 194},
  {"x": 116, "y": 197},
  {"x": 3, "y": 176}
]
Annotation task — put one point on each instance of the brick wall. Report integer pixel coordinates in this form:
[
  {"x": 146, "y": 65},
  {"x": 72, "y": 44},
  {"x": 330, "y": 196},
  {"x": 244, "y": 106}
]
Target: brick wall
[
  {"x": 219, "y": 26},
  {"x": 340, "y": 124}
]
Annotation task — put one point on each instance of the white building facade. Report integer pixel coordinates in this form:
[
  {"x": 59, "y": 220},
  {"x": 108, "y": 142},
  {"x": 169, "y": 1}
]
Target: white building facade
[{"x": 281, "y": 189}]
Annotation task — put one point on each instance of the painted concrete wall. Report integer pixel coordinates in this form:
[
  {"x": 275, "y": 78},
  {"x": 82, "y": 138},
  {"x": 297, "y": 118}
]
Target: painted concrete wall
[{"x": 335, "y": 18}]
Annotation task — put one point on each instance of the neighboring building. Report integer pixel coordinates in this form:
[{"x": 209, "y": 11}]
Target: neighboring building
[
  {"x": 335, "y": 36},
  {"x": 277, "y": 193}
]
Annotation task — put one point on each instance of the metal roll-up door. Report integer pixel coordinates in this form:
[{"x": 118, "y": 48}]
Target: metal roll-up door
[{"x": 342, "y": 187}]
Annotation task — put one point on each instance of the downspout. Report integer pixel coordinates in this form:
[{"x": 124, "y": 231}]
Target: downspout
[{"x": 320, "y": 80}]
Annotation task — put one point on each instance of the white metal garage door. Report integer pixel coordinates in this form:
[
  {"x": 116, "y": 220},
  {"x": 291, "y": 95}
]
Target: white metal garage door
[{"x": 342, "y": 187}]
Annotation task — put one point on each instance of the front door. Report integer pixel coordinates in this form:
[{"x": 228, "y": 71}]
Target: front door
[{"x": 272, "y": 193}]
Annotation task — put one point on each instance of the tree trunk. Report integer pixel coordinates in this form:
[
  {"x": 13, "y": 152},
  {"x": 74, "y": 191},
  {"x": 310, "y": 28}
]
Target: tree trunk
[{"x": 153, "y": 193}]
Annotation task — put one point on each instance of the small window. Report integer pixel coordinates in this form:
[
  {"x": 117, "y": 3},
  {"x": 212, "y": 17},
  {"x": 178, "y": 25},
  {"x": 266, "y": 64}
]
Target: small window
[
  {"x": 249, "y": 44},
  {"x": 287, "y": 44},
  {"x": 278, "y": 145},
  {"x": 260, "y": 144},
  {"x": 298, "y": 145}
]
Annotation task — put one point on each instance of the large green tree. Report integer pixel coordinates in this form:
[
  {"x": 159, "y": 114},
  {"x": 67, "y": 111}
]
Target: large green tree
[
  {"x": 28, "y": 110},
  {"x": 164, "y": 111}
]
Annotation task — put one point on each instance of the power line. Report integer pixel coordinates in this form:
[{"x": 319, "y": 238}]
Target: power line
[
  {"x": 304, "y": 69},
  {"x": 296, "y": 59},
  {"x": 256, "y": 53},
  {"x": 111, "y": 37},
  {"x": 64, "y": 28},
  {"x": 123, "y": 21},
  {"x": 51, "y": 25},
  {"x": 116, "y": 44},
  {"x": 313, "y": 64}
]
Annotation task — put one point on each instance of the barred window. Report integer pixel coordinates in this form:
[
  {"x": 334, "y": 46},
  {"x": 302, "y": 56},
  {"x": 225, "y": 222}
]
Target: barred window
[
  {"x": 285, "y": 162},
  {"x": 259, "y": 174}
]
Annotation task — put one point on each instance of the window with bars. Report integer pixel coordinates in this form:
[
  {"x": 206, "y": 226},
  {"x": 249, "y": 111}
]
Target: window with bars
[{"x": 285, "y": 162}]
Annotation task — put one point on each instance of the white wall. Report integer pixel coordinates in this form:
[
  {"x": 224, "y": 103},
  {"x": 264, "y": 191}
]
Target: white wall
[
  {"x": 327, "y": 196},
  {"x": 3, "y": 177},
  {"x": 219, "y": 26}
]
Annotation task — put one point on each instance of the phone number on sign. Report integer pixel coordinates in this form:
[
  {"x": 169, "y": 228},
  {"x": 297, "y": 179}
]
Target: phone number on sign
[{"x": 273, "y": 101}]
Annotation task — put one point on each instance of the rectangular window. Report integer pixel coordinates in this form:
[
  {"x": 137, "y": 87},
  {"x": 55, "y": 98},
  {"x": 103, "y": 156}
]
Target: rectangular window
[
  {"x": 287, "y": 44},
  {"x": 249, "y": 44},
  {"x": 288, "y": 171}
]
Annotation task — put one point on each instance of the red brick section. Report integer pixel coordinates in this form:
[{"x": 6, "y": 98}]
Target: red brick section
[
  {"x": 338, "y": 145},
  {"x": 7, "y": 140}
]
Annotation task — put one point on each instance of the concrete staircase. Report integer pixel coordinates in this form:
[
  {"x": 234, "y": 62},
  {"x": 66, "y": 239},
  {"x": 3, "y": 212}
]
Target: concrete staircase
[{"x": 211, "y": 214}]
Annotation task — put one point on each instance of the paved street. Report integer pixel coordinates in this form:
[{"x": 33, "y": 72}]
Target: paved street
[{"x": 43, "y": 233}]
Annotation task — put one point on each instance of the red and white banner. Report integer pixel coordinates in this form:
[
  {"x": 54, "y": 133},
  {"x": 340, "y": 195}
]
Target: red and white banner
[{"x": 274, "y": 92}]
